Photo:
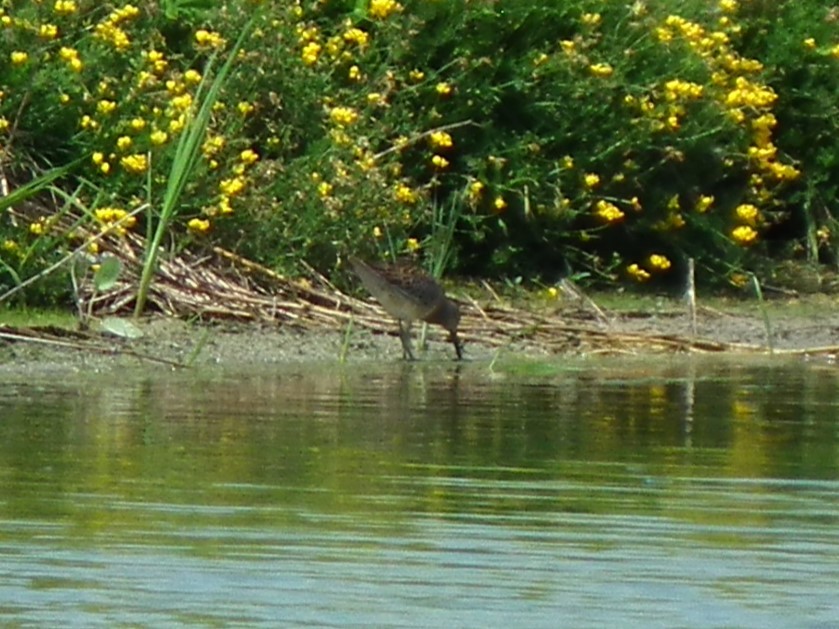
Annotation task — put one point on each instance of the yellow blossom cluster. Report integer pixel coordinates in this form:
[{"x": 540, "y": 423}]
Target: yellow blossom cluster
[
  {"x": 441, "y": 140},
  {"x": 749, "y": 215},
  {"x": 65, "y": 7},
  {"x": 608, "y": 211},
  {"x": 115, "y": 219},
  {"x": 744, "y": 235},
  {"x": 136, "y": 163},
  {"x": 405, "y": 194},
  {"x": 659, "y": 262},
  {"x": 601, "y": 70},
  {"x": 637, "y": 273},
  {"x": 198, "y": 225},
  {"x": 109, "y": 29},
  {"x": 229, "y": 187},
  {"x": 343, "y": 116},
  {"x": 209, "y": 39},
  {"x": 382, "y": 9},
  {"x": 656, "y": 263},
  {"x": 676, "y": 90}
]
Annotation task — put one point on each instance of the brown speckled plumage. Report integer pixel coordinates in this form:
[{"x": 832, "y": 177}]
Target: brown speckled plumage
[{"x": 409, "y": 295}]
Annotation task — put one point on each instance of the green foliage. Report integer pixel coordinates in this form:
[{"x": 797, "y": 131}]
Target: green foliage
[{"x": 523, "y": 138}]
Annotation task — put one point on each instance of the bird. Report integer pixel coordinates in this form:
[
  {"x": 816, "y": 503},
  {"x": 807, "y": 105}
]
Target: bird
[{"x": 408, "y": 294}]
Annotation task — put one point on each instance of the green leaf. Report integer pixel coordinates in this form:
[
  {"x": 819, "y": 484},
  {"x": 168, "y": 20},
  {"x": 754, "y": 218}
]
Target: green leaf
[
  {"x": 120, "y": 327},
  {"x": 107, "y": 274}
]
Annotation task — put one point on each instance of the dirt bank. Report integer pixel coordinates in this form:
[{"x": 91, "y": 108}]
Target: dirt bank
[{"x": 645, "y": 325}]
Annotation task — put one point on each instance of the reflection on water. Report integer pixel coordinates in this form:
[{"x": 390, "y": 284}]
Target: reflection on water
[{"x": 657, "y": 493}]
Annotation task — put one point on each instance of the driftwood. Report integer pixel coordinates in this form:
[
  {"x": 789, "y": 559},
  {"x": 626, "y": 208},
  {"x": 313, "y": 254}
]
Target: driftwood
[{"x": 222, "y": 285}]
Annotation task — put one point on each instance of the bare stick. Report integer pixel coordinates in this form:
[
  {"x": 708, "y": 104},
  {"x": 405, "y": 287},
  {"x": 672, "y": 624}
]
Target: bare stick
[{"x": 690, "y": 294}]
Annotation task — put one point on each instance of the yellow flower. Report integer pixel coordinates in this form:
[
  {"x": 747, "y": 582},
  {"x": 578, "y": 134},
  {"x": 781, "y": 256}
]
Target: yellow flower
[
  {"x": 443, "y": 89},
  {"x": 569, "y": 46},
  {"x": 744, "y": 235},
  {"x": 375, "y": 98},
  {"x": 248, "y": 156},
  {"x": 64, "y": 7},
  {"x": 105, "y": 106},
  {"x": 343, "y": 116},
  {"x": 659, "y": 262},
  {"x": 552, "y": 292},
  {"x": 10, "y": 246},
  {"x": 324, "y": 188},
  {"x": 810, "y": 43},
  {"x": 209, "y": 39},
  {"x": 158, "y": 62},
  {"x": 232, "y": 187},
  {"x": 356, "y": 36},
  {"x": 4, "y": 123},
  {"x": 412, "y": 244},
  {"x": 37, "y": 227},
  {"x": 310, "y": 53},
  {"x": 198, "y": 225},
  {"x": 834, "y": 52},
  {"x": 18, "y": 57},
  {"x": 404, "y": 194},
  {"x": 499, "y": 204},
  {"x": 784, "y": 172},
  {"x": 212, "y": 145},
  {"x": 158, "y": 137},
  {"x": 381, "y": 9},
  {"x": 136, "y": 163},
  {"x": 108, "y": 31},
  {"x": 591, "y": 19},
  {"x": 416, "y": 75},
  {"x": 728, "y": 6},
  {"x": 115, "y": 219},
  {"x": 476, "y": 189},
  {"x": 245, "y": 107},
  {"x": 747, "y": 213},
  {"x": 608, "y": 211},
  {"x": 377, "y": 232},
  {"x": 637, "y": 273},
  {"x": 439, "y": 162},
  {"x": 123, "y": 143},
  {"x": 354, "y": 73},
  {"x": 137, "y": 124},
  {"x": 182, "y": 102},
  {"x": 48, "y": 31},
  {"x": 192, "y": 77},
  {"x": 591, "y": 180},
  {"x": 176, "y": 124},
  {"x": 441, "y": 139},
  {"x": 601, "y": 70},
  {"x": 704, "y": 203},
  {"x": 88, "y": 123}
]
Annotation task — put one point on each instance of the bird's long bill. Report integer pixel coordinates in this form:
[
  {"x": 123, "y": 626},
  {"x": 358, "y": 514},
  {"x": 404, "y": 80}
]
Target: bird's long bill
[{"x": 458, "y": 346}]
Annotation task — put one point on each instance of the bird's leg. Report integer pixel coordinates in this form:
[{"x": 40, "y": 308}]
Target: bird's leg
[
  {"x": 405, "y": 337},
  {"x": 458, "y": 345}
]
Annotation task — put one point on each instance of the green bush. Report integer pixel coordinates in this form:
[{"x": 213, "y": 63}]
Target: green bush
[{"x": 608, "y": 140}]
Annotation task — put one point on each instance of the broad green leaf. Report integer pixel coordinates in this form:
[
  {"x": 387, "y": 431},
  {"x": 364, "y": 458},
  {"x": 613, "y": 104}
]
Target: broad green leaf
[
  {"x": 117, "y": 326},
  {"x": 107, "y": 274}
]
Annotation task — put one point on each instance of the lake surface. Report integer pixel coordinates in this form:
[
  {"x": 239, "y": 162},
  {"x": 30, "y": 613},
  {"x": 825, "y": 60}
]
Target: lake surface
[{"x": 611, "y": 493}]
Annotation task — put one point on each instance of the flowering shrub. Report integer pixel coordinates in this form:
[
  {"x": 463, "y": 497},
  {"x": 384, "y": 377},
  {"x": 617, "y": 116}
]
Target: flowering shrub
[{"x": 609, "y": 139}]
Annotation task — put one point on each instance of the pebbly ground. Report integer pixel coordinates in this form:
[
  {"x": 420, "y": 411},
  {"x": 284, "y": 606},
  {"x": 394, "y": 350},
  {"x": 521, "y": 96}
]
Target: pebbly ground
[{"x": 812, "y": 323}]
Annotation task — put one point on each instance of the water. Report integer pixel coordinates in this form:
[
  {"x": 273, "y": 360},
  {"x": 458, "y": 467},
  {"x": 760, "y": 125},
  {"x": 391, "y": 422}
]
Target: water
[{"x": 648, "y": 493}]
